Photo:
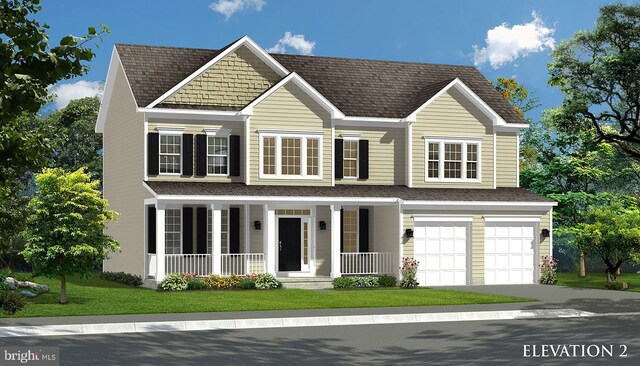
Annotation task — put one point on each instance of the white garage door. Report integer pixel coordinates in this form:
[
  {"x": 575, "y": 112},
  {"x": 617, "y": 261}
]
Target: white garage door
[
  {"x": 441, "y": 249},
  {"x": 509, "y": 253}
]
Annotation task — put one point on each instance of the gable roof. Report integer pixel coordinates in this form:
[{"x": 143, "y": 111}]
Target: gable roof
[{"x": 357, "y": 87}]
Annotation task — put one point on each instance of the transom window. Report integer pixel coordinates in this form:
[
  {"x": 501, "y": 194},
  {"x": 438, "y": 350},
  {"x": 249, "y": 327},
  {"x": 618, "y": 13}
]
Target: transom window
[
  {"x": 172, "y": 233},
  {"x": 350, "y": 157},
  {"x": 224, "y": 231},
  {"x": 350, "y": 231},
  {"x": 170, "y": 147},
  {"x": 290, "y": 156},
  {"x": 217, "y": 155},
  {"x": 452, "y": 160}
]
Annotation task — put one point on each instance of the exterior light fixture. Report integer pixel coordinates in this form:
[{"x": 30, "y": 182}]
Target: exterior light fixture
[{"x": 257, "y": 225}]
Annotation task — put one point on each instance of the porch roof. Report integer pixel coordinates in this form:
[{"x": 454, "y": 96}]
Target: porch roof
[{"x": 345, "y": 191}]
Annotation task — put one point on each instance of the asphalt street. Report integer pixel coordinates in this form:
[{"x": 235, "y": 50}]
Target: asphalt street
[{"x": 452, "y": 343}]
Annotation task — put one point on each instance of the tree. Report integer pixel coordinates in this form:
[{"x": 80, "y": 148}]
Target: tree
[
  {"x": 65, "y": 229},
  {"x": 516, "y": 94},
  {"x": 611, "y": 232},
  {"x": 597, "y": 71}
]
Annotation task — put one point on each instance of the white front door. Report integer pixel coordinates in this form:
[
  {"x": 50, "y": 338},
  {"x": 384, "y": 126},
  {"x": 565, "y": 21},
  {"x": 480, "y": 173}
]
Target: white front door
[
  {"x": 441, "y": 249},
  {"x": 509, "y": 253}
]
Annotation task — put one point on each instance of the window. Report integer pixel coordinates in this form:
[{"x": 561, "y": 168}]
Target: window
[
  {"x": 350, "y": 231},
  {"x": 289, "y": 156},
  {"x": 217, "y": 155},
  {"x": 350, "y": 157},
  {"x": 170, "y": 146},
  {"x": 172, "y": 234},
  {"x": 452, "y": 160},
  {"x": 224, "y": 231}
]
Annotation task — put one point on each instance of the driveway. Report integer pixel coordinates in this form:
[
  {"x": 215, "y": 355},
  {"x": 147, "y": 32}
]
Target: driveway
[{"x": 561, "y": 297}]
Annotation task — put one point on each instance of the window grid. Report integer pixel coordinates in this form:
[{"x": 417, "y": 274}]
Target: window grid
[
  {"x": 290, "y": 161},
  {"x": 269, "y": 155},
  {"x": 350, "y": 231},
  {"x": 452, "y": 160},
  {"x": 472, "y": 161},
  {"x": 433, "y": 160},
  {"x": 224, "y": 231},
  {"x": 170, "y": 147},
  {"x": 217, "y": 155},
  {"x": 312, "y": 156},
  {"x": 350, "y": 158},
  {"x": 306, "y": 243},
  {"x": 172, "y": 232}
]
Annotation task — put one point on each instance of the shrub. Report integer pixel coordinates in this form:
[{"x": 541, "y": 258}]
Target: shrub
[
  {"x": 253, "y": 276},
  {"x": 617, "y": 285},
  {"x": 409, "y": 272},
  {"x": 222, "y": 282},
  {"x": 548, "y": 270},
  {"x": 387, "y": 281},
  {"x": 173, "y": 282},
  {"x": 12, "y": 301},
  {"x": 3, "y": 277},
  {"x": 367, "y": 281},
  {"x": 189, "y": 276},
  {"x": 23, "y": 276},
  {"x": 246, "y": 284},
  {"x": 343, "y": 282},
  {"x": 123, "y": 278},
  {"x": 196, "y": 284},
  {"x": 266, "y": 281}
]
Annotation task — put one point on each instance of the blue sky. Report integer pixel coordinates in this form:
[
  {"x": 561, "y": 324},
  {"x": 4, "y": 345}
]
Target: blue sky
[{"x": 417, "y": 31}]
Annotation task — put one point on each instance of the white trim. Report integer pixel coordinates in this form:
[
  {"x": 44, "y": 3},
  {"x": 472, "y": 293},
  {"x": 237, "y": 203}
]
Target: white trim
[
  {"x": 193, "y": 114},
  {"x": 495, "y": 161},
  {"x": 454, "y": 138},
  {"x": 170, "y": 130},
  {"x": 517, "y": 159},
  {"x": 291, "y": 133},
  {"x": 304, "y": 136},
  {"x": 333, "y": 154},
  {"x": 306, "y": 87},
  {"x": 442, "y": 218},
  {"x": 221, "y": 135},
  {"x": 357, "y": 159},
  {"x": 247, "y": 228},
  {"x": 502, "y": 218},
  {"x": 155, "y": 195},
  {"x": 463, "y": 162},
  {"x": 409, "y": 155},
  {"x": 244, "y": 41},
  {"x": 247, "y": 157},
  {"x": 350, "y": 136},
  {"x": 369, "y": 122},
  {"x": 470, "y": 204},
  {"x": 551, "y": 232},
  {"x": 217, "y": 132},
  {"x": 145, "y": 136},
  {"x": 511, "y": 127}
]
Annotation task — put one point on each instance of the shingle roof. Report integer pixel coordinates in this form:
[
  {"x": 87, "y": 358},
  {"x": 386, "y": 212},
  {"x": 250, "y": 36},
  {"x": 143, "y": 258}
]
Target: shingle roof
[
  {"x": 359, "y": 191},
  {"x": 362, "y": 88}
]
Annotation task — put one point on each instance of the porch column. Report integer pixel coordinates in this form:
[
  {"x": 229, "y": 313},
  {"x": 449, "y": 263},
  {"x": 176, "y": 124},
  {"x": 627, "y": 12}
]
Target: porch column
[
  {"x": 335, "y": 241},
  {"x": 216, "y": 244},
  {"x": 160, "y": 242},
  {"x": 270, "y": 244}
]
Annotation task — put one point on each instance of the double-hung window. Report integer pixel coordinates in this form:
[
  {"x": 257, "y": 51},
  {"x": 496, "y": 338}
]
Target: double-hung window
[
  {"x": 170, "y": 149},
  {"x": 172, "y": 232},
  {"x": 217, "y": 155},
  {"x": 290, "y": 155},
  {"x": 350, "y": 158},
  {"x": 452, "y": 159},
  {"x": 350, "y": 231}
]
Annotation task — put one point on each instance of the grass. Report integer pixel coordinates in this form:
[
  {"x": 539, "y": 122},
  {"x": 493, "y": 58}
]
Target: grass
[
  {"x": 95, "y": 296},
  {"x": 598, "y": 280}
]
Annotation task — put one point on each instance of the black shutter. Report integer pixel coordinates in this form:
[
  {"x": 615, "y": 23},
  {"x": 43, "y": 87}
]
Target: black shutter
[
  {"x": 234, "y": 230},
  {"x": 187, "y": 155},
  {"x": 363, "y": 156},
  {"x": 151, "y": 229},
  {"x": 339, "y": 156},
  {"x": 234, "y": 155},
  {"x": 201, "y": 230},
  {"x": 187, "y": 230},
  {"x": 153, "y": 153},
  {"x": 341, "y": 230},
  {"x": 363, "y": 228},
  {"x": 201, "y": 155}
]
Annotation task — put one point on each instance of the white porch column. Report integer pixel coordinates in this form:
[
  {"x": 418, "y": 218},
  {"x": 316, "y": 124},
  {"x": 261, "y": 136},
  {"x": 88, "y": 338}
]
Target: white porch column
[
  {"x": 270, "y": 244},
  {"x": 335, "y": 241},
  {"x": 216, "y": 244},
  {"x": 160, "y": 242}
]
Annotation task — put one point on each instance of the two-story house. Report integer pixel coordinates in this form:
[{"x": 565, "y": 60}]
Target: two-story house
[{"x": 239, "y": 161}]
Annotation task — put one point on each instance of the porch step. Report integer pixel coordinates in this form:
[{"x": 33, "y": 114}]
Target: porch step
[{"x": 310, "y": 283}]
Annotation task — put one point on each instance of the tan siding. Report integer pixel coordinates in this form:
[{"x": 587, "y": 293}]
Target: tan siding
[
  {"x": 386, "y": 155},
  {"x": 323, "y": 242},
  {"x": 256, "y": 241},
  {"x": 407, "y": 243},
  {"x": 477, "y": 250},
  {"x": 545, "y": 243},
  {"x": 506, "y": 159},
  {"x": 452, "y": 115},
  {"x": 191, "y": 127},
  {"x": 233, "y": 82},
  {"x": 123, "y": 174},
  {"x": 291, "y": 109}
]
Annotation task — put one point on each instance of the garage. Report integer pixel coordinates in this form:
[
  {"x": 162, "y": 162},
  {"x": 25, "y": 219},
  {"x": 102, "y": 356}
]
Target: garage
[
  {"x": 441, "y": 248},
  {"x": 510, "y": 252}
]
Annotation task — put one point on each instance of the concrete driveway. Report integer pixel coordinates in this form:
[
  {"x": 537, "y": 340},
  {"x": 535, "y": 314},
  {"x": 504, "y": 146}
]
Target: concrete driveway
[{"x": 561, "y": 297}]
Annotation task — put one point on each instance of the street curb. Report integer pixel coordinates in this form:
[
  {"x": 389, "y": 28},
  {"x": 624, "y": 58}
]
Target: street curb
[{"x": 291, "y": 322}]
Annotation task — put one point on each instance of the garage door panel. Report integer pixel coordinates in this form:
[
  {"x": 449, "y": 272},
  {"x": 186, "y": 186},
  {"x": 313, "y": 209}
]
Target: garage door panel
[
  {"x": 509, "y": 253},
  {"x": 460, "y": 246},
  {"x": 442, "y": 253}
]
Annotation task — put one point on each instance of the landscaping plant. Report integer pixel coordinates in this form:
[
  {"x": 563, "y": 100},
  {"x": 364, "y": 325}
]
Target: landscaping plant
[
  {"x": 196, "y": 284},
  {"x": 387, "y": 281},
  {"x": 548, "y": 270},
  {"x": 367, "y": 281},
  {"x": 12, "y": 301},
  {"x": 266, "y": 281},
  {"x": 246, "y": 284},
  {"x": 343, "y": 282},
  {"x": 174, "y": 282},
  {"x": 123, "y": 278},
  {"x": 409, "y": 271}
]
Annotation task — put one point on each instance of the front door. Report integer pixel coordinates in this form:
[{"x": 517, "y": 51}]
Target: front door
[{"x": 289, "y": 233}]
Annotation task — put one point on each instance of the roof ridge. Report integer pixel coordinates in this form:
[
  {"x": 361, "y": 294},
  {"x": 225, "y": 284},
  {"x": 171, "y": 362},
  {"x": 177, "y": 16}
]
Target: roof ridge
[{"x": 172, "y": 47}]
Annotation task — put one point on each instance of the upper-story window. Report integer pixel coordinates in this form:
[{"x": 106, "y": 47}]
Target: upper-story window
[
  {"x": 170, "y": 149},
  {"x": 217, "y": 155},
  {"x": 452, "y": 160},
  {"x": 350, "y": 158},
  {"x": 290, "y": 155}
]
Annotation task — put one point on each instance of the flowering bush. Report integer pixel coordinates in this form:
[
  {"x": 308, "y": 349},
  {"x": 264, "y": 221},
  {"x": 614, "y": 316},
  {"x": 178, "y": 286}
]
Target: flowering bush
[
  {"x": 409, "y": 270},
  {"x": 548, "y": 270},
  {"x": 222, "y": 282},
  {"x": 266, "y": 281},
  {"x": 12, "y": 301},
  {"x": 174, "y": 282},
  {"x": 189, "y": 276},
  {"x": 252, "y": 276}
]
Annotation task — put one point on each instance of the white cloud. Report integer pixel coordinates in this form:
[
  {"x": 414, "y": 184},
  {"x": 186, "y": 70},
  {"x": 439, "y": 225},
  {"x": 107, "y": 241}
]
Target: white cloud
[
  {"x": 295, "y": 42},
  {"x": 230, "y": 7},
  {"x": 64, "y": 93},
  {"x": 505, "y": 44}
]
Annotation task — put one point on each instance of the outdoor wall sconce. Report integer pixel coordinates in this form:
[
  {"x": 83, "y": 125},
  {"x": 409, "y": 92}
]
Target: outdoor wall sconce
[
  {"x": 257, "y": 225},
  {"x": 545, "y": 233},
  {"x": 323, "y": 225},
  {"x": 408, "y": 233}
]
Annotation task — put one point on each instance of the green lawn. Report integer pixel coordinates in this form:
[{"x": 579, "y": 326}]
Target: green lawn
[
  {"x": 598, "y": 280},
  {"x": 98, "y": 297}
]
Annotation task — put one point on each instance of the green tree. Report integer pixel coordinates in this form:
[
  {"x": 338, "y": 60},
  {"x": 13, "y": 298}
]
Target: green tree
[
  {"x": 65, "y": 229},
  {"x": 597, "y": 71},
  {"x": 516, "y": 94}
]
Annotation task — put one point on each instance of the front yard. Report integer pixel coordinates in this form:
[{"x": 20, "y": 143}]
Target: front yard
[
  {"x": 99, "y": 297},
  {"x": 598, "y": 280}
]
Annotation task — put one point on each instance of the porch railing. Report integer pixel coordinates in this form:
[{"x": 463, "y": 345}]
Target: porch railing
[
  {"x": 242, "y": 263},
  {"x": 200, "y": 264},
  {"x": 367, "y": 263}
]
